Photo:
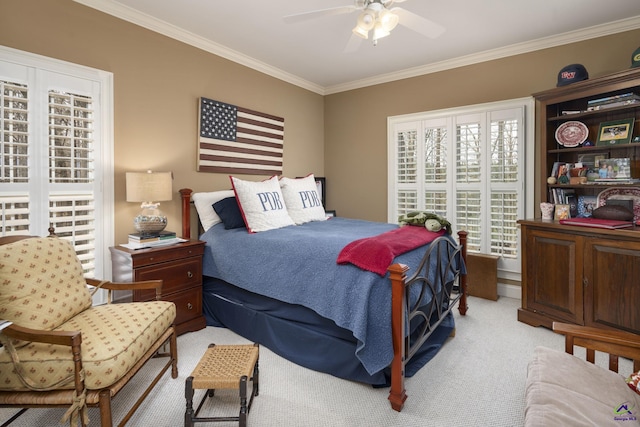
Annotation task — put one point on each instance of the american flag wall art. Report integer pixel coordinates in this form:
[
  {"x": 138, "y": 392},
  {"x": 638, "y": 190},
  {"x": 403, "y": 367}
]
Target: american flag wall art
[{"x": 237, "y": 140}]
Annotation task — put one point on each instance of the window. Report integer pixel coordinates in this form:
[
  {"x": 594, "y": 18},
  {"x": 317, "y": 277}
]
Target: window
[
  {"x": 469, "y": 165},
  {"x": 56, "y": 154}
]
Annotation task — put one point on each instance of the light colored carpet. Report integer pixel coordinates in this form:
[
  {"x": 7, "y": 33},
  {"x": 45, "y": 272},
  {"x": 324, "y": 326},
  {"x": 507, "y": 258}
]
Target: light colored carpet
[{"x": 477, "y": 379}]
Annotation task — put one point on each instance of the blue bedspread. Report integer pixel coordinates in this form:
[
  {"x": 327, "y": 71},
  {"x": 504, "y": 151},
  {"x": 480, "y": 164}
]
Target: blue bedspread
[{"x": 297, "y": 264}]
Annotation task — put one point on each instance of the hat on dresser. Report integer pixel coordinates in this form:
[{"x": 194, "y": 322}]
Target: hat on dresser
[
  {"x": 635, "y": 58},
  {"x": 571, "y": 74}
]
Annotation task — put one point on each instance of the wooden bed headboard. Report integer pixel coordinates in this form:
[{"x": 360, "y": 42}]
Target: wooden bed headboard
[{"x": 185, "y": 194}]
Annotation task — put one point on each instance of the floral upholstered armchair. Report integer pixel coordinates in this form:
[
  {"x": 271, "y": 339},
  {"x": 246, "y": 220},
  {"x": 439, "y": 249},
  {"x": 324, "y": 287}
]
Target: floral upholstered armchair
[{"x": 62, "y": 351}]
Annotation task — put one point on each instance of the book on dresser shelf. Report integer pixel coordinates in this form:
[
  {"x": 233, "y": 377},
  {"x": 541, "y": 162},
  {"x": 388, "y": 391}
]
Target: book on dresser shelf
[
  {"x": 164, "y": 238},
  {"x": 140, "y": 238},
  {"x": 597, "y": 223}
]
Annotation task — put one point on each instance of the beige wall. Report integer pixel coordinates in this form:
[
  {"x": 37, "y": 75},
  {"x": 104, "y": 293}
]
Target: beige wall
[
  {"x": 342, "y": 136},
  {"x": 356, "y": 121},
  {"x": 157, "y": 82}
]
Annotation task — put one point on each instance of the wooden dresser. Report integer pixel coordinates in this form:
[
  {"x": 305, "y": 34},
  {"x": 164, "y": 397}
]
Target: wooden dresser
[
  {"x": 586, "y": 276},
  {"x": 180, "y": 268}
]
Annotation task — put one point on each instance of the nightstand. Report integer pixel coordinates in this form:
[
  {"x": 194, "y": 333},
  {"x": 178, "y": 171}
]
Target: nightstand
[{"x": 180, "y": 268}]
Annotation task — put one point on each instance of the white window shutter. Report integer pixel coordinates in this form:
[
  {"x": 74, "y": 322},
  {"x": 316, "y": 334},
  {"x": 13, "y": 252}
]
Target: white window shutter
[
  {"x": 56, "y": 157},
  {"x": 469, "y": 166}
]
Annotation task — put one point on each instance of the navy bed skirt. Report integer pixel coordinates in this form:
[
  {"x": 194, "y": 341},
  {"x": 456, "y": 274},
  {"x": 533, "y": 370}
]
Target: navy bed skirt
[{"x": 300, "y": 334}]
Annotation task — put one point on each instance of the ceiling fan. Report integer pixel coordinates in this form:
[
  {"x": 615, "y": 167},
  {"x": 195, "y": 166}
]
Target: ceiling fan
[{"x": 378, "y": 17}]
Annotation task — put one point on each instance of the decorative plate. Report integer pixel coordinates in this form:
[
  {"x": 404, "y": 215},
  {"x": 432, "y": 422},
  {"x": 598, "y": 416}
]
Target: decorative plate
[
  {"x": 572, "y": 133},
  {"x": 622, "y": 193}
]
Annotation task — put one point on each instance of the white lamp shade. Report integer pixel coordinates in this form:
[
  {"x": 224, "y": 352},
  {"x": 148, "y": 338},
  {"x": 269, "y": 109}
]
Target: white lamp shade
[{"x": 149, "y": 186}]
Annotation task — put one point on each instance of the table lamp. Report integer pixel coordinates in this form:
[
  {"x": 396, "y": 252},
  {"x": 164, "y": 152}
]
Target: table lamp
[{"x": 149, "y": 188}]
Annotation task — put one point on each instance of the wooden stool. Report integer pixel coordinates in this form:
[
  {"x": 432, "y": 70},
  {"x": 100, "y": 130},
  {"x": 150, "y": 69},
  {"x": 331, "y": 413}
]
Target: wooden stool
[{"x": 223, "y": 367}]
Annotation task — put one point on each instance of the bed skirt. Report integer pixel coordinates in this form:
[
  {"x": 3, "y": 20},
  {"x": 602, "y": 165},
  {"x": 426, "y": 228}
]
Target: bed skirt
[{"x": 300, "y": 335}]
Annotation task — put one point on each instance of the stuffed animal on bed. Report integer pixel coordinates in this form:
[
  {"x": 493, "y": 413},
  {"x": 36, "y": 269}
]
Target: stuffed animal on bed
[{"x": 429, "y": 220}]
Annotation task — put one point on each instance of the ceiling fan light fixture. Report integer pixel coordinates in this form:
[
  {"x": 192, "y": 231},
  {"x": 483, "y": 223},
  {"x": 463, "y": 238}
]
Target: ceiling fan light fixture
[
  {"x": 388, "y": 20},
  {"x": 358, "y": 31},
  {"x": 379, "y": 32},
  {"x": 367, "y": 20}
]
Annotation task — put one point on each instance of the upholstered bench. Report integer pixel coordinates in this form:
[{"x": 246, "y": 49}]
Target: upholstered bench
[
  {"x": 62, "y": 350},
  {"x": 223, "y": 367}
]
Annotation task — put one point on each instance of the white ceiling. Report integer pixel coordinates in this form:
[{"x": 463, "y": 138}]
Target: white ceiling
[{"x": 312, "y": 54}]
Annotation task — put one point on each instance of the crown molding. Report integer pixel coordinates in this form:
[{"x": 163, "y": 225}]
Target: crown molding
[
  {"x": 135, "y": 17},
  {"x": 610, "y": 28}
]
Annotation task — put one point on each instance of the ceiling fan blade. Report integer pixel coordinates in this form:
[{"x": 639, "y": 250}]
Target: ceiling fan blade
[
  {"x": 418, "y": 24},
  {"x": 353, "y": 44},
  {"x": 305, "y": 16}
]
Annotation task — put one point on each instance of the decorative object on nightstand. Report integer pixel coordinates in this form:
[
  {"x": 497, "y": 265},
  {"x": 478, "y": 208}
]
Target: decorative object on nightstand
[
  {"x": 149, "y": 188},
  {"x": 180, "y": 268}
]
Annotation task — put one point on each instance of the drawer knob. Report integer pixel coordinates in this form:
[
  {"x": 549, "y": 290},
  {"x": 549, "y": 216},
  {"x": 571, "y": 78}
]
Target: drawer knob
[
  {"x": 190, "y": 306},
  {"x": 189, "y": 274}
]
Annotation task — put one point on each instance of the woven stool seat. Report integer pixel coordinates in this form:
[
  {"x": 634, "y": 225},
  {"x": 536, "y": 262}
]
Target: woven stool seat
[{"x": 223, "y": 367}]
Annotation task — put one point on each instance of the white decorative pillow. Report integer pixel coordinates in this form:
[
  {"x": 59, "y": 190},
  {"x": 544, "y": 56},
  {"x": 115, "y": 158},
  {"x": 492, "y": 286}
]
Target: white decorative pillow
[
  {"x": 302, "y": 199},
  {"x": 204, "y": 205},
  {"x": 261, "y": 204}
]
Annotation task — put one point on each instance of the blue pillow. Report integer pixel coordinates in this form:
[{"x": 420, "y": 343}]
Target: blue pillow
[{"x": 229, "y": 212}]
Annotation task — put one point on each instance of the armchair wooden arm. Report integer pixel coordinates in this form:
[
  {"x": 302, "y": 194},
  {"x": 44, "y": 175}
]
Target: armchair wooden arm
[
  {"x": 68, "y": 338},
  {"x": 71, "y": 339},
  {"x": 127, "y": 286},
  {"x": 615, "y": 343}
]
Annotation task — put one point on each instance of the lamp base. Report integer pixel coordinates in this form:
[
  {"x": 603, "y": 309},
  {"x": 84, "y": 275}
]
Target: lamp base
[{"x": 150, "y": 221}]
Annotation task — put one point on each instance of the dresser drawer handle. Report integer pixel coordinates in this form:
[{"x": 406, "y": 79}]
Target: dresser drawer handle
[
  {"x": 190, "y": 306},
  {"x": 189, "y": 274}
]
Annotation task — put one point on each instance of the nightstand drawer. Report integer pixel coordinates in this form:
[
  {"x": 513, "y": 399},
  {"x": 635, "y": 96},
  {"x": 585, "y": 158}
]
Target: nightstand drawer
[
  {"x": 176, "y": 276},
  {"x": 154, "y": 256},
  {"x": 188, "y": 305}
]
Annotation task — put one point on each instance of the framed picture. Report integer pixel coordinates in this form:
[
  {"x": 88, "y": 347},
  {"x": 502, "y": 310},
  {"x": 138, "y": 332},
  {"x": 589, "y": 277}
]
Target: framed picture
[
  {"x": 562, "y": 212},
  {"x": 586, "y": 205},
  {"x": 615, "y": 132},
  {"x": 612, "y": 169}
]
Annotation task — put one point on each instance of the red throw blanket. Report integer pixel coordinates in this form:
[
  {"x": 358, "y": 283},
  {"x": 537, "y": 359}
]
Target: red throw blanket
[{"x": 377, "y": 253}]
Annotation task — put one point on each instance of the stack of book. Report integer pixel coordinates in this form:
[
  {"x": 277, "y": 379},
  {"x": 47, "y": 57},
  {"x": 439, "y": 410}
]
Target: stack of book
[
  {"x": 613, "y": 101},
  {"x": 138, "y": 240}
]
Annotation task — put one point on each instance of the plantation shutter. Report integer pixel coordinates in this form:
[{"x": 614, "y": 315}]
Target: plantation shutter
[
  {"x": 14, "y": 201},
  {"x": 407, "y": 171},
  {"x": 72, "y": 172},
  {"x": 55, "y": 154},
  {"x": 467, "y": 165}
]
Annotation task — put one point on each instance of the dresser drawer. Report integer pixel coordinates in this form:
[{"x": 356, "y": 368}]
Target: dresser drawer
[
  {"x": 144, "y": 257},
  {"x": 176, "y": 276},
  {"x": 188, "y": 305}
]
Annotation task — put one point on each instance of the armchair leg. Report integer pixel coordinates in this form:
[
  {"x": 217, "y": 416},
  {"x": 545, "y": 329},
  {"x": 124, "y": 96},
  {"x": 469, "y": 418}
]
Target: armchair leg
[
  {"x": 174, "y": 355},
  {"x": 105, "y": 409}
]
